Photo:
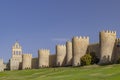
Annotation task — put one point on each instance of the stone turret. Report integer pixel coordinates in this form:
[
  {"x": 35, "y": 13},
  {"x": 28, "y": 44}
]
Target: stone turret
[
  {"x": 60, "y": 55},
  {"x": 27, "y": 61},
  {"x": 43, "y": 56},
  {"x": 80, "y": 45},
  {"x": 68, "y": 53},
  {"x": 107, "y": 42}
]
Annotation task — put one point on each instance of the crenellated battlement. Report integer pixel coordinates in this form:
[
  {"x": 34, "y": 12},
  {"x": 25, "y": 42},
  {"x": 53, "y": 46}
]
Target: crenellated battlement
[
  {"x": 69, "y": 53},
  {"x": 27, "y": 55},
  {"x": 61, "y": 45},
  {"x": 117, "y": 40},
  {"x": 44, "y": 50},
  {"x": 108, "y": 31},
  {"x": 68, "y": 41},
  {"x": 80, "y": 37}
]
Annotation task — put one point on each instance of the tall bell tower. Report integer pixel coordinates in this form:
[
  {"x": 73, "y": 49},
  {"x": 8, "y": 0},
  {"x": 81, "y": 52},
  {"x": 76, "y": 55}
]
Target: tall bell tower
[
  {"x": 16, "y": 50},
  {"x": 16, "y": 60}
]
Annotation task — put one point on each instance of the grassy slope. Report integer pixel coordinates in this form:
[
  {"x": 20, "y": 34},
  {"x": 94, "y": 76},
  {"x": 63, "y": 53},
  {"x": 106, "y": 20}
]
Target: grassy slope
[{"x": 110, "y": 72}]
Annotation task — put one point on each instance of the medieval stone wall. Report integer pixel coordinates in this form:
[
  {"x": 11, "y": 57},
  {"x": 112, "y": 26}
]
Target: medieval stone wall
[
  {"x": 94, "y": 48},
  {"x": 107, "y": 50},
  {"x": 34, "y": 63},
  {"x": 52, "y": 60}
]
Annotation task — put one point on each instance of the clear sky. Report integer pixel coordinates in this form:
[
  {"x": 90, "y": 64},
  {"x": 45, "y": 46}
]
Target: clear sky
[{"x": 40, "y": 24}]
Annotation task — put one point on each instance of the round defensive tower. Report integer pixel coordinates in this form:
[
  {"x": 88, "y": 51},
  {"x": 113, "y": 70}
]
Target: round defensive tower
[
  {"x": 80, "y": 45},
  {"x": 60, "y": 55},
  {"x": 107, "y": 42},
  {"x": 68, "y": 53},
  {"x": 43, "y": 58},
  {"x": 27, "y": 61}
]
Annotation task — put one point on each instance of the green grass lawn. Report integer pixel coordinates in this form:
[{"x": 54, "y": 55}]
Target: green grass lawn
[{"x": 109, "y": 72}]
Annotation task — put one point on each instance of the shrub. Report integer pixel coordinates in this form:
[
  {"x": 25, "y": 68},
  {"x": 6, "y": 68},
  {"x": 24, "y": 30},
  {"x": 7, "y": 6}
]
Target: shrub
[{"x": 86, "y": 59}]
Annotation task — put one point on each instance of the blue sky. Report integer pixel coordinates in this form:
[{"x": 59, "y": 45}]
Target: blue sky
[{"x": 40, "y": 24}]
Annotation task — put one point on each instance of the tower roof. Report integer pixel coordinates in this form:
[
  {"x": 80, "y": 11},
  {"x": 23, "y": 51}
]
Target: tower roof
[{"x": 17, "y": 45}]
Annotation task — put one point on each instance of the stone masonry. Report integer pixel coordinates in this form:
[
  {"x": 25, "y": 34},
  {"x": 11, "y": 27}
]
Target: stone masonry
[{"x": 107, "y": 51}]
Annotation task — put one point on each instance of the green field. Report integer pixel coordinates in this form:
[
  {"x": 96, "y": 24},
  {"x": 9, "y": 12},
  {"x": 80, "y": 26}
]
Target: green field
[{"x": 109, "y": 72}]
